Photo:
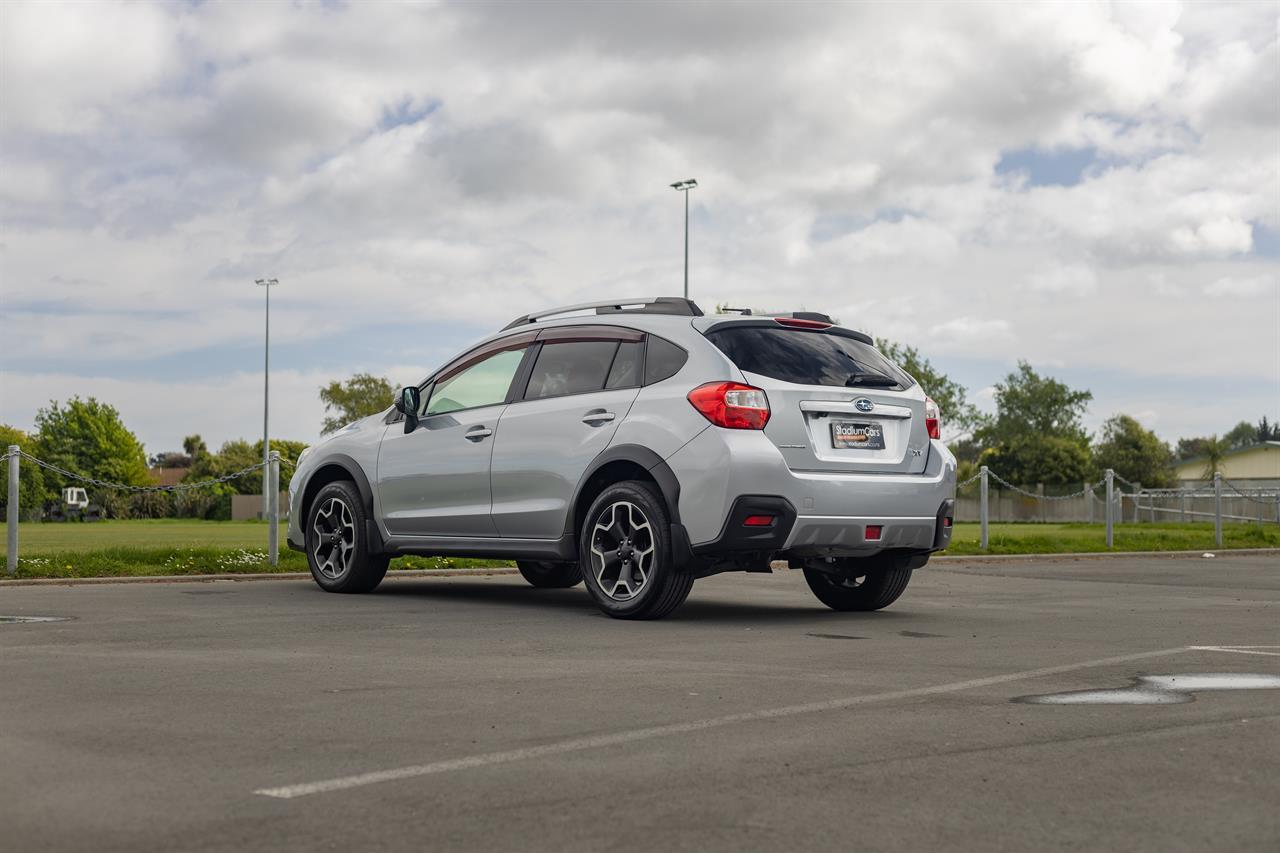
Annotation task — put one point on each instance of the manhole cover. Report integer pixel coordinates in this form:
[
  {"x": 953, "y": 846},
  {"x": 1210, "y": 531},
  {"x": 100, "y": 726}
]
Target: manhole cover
[{"x": 12, "y": 620}]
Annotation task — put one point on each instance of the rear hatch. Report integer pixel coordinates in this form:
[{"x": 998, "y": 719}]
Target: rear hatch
[{"x": 836, "y": 404}]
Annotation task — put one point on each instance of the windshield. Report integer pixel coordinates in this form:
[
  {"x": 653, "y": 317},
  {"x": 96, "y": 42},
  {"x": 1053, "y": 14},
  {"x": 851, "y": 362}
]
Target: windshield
[{"x": 808, "y": 358}]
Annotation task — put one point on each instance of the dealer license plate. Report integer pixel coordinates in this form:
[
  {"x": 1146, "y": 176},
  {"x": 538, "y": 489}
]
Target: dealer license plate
[{"x": 859, "y": 436}]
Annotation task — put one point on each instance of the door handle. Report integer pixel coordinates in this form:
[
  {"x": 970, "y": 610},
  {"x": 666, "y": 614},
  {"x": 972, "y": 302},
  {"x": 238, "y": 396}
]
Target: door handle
[
  {"x": 595, "y": 418},
  {"x": 477, "y": 433}
]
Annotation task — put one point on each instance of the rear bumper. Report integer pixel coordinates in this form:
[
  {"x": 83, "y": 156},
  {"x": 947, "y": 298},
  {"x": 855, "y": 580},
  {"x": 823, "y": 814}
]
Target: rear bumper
[{"x": 832, "y": 510}]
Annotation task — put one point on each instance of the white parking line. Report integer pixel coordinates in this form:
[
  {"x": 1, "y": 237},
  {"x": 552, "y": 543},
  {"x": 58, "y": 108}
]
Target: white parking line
[
  {"x": 342, "y": 783},
  {"x": 1239, "y": 650}
]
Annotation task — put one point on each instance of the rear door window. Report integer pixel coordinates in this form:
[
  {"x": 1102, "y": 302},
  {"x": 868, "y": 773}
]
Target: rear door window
[
  {"x": 663, "y": 360},
  {"x": 570, "y": 367},
  {"x": 625, "y": 372},
  {"x": 807, "y": 357}
]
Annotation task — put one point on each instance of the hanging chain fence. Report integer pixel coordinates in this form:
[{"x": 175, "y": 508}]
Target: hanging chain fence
[
  {"x": 14, "y": 454},
  {"x": 177, "y": 487}
]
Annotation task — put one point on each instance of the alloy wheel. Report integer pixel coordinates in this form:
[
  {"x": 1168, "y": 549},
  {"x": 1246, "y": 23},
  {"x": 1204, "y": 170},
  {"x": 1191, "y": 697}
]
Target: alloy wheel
[
  {"x": 622, "y": 550},
  {"x": 335, "y": 538}
]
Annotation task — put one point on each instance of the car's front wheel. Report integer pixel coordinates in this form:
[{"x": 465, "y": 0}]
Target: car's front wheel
[
  {"x": 625, "y": 553},
  {"x": 548, "y": 575},
  {"x": 336, "y": 543},
  {"x": 858, "y": 584}
]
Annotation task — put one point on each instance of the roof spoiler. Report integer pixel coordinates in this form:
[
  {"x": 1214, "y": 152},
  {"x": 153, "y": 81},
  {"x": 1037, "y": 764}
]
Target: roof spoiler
[
  {"x": 676, "y": 305},
  {"x": 794, "y": 315}
]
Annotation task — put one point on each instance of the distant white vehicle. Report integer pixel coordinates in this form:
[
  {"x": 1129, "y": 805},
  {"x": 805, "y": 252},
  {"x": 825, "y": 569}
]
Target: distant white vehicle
[{"x": 74, "y": 506}]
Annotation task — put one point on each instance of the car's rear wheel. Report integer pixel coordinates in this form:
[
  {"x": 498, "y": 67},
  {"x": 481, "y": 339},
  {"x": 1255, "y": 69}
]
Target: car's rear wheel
[
  {"x": 549, "y": 575},
  {"x": 625, "y": 553},
  {"x": 858, "y": 584},
  {"x": 336, "y": 542}
]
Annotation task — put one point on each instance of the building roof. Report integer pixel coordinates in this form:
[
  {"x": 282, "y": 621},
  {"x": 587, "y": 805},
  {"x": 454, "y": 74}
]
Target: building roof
[{"x": 167, "y": 476}]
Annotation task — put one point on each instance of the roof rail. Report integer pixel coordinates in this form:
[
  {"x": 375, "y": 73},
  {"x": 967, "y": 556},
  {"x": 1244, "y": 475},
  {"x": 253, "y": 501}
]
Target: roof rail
[{"x": 642, "y": 305}]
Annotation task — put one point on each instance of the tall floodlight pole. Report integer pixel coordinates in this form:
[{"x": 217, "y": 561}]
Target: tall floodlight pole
[
  {"x": 266, "y": 396},
  {"x": 684, "y": 187}
]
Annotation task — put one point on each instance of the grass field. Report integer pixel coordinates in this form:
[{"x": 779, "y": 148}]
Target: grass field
[
  {"x": 169, "y": 547},
  {"x": 182, "y": 547}
]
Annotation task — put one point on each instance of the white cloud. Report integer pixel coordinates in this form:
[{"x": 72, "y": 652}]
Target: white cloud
[
  {"x": 1261, "y": 285},
  {"x": 969, "y": 329},
  {"x": 1074, "y": 279}
]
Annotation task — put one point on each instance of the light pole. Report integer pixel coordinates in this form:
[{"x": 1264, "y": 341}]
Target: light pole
[
  {"x": 266, "y": 397},
  {"x": 684, "y": 187}
]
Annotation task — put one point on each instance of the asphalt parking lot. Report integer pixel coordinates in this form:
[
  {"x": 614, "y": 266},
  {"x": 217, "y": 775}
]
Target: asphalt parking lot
[{"x": 478, "y": 713}]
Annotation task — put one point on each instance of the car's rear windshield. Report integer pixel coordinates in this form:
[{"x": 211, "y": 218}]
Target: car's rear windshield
[{"x": 807, "y": 357}]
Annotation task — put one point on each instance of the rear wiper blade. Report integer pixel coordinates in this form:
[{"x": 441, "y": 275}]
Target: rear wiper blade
[{"x": 870, "y": 380}]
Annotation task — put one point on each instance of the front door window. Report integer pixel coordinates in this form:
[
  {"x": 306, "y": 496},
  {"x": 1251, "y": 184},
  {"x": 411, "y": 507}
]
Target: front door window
[{"x": 484, "y": 383}]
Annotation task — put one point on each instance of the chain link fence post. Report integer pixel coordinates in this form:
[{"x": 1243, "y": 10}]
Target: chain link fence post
[
  {"x": 1217, "y": 508},
  {"x": 11, "y": 513},
  {"x": 984, "y": 514},
  {"x": 1111, "y": 486},
  {"x": 1182, "y": 505},
  {"x": 273, "y": 508},
  {"x": 1088, "y": 502}
]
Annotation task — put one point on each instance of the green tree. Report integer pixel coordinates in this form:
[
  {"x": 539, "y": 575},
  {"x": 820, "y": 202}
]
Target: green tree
[
  {"x": 1037, "y": 435},
  {"x": 31, "y": 485},
  {"x": 194, "y": 446},
  {"x": 1213, "y": 450},
  {"x": 236, "y": 455},
  {"x": 1134, "y": 453},
  {"x": 89, "y": 438},
  {"x": 958, "y": 414},
  {"x": 1210, "y": 448},
  {"x": 233, "y": 456},
  {"x": 1051, "y": 459},
  {"x": 289, "y": 449},
  {"x": 1268, "y": 431},
  {"x": 360, "y": 396},
  {"x": 1190, "y": 448},
  {"x": 1242, "y": 434}
]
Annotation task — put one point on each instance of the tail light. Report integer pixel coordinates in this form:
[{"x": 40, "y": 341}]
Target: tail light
[
  {"x": 731, "y": 405},
  {"x": 932, "y": 418}
]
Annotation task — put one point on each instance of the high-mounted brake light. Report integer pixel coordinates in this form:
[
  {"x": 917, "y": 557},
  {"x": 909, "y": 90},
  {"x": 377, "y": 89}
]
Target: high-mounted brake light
[
  {"x": 932, "y": 418},
  {"x": 731, "y": 405},
  {"x": 797, "y": 323}
]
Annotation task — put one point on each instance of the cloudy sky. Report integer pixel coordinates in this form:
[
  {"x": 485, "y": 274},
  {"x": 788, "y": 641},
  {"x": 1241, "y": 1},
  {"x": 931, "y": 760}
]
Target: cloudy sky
[{"x": 1092, "y": 187}]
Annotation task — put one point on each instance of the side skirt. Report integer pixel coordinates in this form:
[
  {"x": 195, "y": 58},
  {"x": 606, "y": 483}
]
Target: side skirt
[{"x": 490, "y": 548}]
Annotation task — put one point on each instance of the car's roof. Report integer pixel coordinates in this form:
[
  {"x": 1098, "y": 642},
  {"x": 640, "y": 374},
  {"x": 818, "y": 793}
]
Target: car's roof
[{"x": 685, "y": 329}]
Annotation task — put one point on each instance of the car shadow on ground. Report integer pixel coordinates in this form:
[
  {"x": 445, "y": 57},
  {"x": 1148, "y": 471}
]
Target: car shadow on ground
[{"x": 699, "y": 608}]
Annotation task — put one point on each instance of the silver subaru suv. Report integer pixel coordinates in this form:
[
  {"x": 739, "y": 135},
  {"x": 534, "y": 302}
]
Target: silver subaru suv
[{"x": 638, "y": 445}]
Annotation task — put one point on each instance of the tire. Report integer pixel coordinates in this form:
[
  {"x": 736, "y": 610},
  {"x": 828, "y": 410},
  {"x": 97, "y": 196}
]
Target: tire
[
  {"x": 861, "y": 584},
  {"x": 640, "y": 579},
  {"x": 548, "y": 575},
  {"x": 336, "y": 542}
]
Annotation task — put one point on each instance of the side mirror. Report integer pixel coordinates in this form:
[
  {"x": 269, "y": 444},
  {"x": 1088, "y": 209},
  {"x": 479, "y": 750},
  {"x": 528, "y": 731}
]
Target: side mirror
[{"x": 408, "y": 402}]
